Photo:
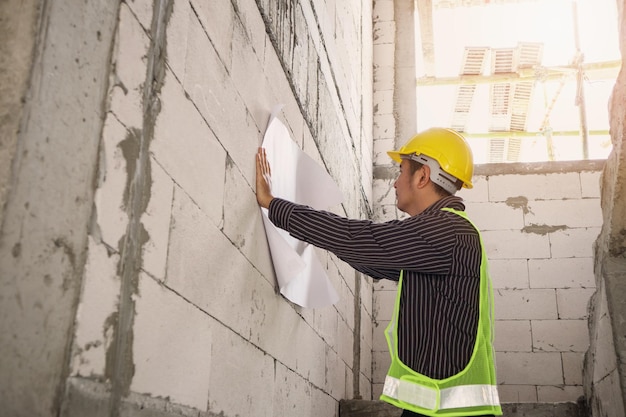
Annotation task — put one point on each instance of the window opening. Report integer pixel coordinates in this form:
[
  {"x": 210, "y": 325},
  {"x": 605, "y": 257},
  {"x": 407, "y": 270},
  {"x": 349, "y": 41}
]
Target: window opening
[{"x": 525, "y": 81}]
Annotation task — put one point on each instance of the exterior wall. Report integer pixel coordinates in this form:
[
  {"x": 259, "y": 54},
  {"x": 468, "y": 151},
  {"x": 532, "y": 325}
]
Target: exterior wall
[
  {"x": 158, "y": 277},
  {"x": 538, "y": 226}
]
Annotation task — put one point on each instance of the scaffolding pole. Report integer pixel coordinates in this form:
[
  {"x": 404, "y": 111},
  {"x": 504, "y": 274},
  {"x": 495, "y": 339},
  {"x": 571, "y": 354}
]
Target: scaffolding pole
[{"x": 580, "y": 85}]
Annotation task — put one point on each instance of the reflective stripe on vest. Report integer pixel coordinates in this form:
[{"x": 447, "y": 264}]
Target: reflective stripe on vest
[{"x": 453, "y": 397}]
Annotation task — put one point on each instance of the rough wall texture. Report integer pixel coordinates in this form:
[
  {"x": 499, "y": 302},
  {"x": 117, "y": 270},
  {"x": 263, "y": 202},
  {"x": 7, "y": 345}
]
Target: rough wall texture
[
  {"x": 605, "y": 371},
  {"x": 134, "y": 266},
  {"x": 179, "y": 228},
  {"x": 18, "y": 30},
  {"x": 49, "y": 201}
]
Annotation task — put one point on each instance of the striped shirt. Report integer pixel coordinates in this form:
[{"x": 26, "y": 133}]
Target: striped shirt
[{"x": 440, "y": 255}]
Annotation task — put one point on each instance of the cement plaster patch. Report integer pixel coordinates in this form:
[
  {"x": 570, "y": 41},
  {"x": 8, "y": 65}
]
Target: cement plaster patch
[
  {"x": 109, "y": 196},
  {"x": 94, "y": 328},
  {"x": 126, "y": 91}
]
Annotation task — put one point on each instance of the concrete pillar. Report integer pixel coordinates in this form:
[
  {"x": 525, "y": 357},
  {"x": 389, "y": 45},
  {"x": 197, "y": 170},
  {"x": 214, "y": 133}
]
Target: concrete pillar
[
  {"x": 605, "y": 362},
  {"x": 404, "y": 92},
  {"x": 54, "y": 72}
]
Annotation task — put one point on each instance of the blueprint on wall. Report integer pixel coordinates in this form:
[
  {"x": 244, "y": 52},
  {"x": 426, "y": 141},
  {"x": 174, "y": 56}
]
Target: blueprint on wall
[{"x": 297, "y": 177}]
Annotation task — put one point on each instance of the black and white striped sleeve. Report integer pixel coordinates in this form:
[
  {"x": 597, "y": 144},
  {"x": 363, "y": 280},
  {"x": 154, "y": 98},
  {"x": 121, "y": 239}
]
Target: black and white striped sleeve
[{"x": 376, "y": 249}]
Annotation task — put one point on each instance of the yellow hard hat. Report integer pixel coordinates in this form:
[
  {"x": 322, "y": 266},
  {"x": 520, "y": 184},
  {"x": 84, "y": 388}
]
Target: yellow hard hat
[{"x": 445, "y": 146}]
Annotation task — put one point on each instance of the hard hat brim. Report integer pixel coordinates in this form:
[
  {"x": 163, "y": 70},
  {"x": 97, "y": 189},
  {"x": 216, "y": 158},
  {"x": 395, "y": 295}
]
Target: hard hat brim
[{"x": 395, "y": 155}]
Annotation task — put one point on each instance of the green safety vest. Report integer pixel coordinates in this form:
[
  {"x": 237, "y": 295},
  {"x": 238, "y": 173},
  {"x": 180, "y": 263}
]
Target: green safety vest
[{"x": 471, "y": 392}]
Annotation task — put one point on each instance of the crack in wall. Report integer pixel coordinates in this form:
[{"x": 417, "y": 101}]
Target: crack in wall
[{"x": 135, "y": 148}]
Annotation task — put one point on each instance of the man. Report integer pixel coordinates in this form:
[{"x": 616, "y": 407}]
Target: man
[{"x": 440, "y": 338}]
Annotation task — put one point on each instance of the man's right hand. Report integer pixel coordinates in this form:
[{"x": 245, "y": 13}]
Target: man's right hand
[{"x": 263, "y": 179}]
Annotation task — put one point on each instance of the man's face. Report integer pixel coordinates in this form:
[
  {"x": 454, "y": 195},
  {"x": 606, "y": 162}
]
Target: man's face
[{"x": 405, "y": 193}]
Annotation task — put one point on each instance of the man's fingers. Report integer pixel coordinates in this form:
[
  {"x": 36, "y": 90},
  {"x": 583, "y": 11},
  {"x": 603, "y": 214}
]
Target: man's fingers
[{"x": 263, "y": 163}]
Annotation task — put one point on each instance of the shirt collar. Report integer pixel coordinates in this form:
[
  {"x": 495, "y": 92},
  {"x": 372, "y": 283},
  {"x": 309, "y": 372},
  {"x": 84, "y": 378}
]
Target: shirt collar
[{"x": 451, "y": 201}]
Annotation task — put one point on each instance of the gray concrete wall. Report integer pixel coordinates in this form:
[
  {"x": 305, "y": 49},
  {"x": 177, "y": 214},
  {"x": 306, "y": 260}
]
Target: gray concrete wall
[
  {"x": 605, "y": 372},
  {"x": 135, "y": 275},
  {"x": 55, "y": 77},
  {"x": 133, "y": 262}
]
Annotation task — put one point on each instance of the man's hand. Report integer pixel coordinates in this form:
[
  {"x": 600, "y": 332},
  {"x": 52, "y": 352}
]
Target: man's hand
[{"x": 263, "y": 180}]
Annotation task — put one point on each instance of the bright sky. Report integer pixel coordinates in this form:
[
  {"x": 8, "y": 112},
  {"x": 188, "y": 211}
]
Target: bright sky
[{"x": 550, "y": 22}]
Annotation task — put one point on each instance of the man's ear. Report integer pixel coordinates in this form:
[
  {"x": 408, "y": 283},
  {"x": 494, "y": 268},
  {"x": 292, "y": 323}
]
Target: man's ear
[{"x": 422, "y": 176}]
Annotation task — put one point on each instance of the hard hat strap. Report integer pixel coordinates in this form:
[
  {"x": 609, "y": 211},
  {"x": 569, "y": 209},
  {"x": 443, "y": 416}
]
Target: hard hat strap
[{"x": 437, "y": 175}]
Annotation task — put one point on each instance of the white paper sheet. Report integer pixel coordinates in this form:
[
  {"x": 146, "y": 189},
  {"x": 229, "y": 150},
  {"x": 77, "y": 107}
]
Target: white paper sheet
[{"x": 298, "y": 178}]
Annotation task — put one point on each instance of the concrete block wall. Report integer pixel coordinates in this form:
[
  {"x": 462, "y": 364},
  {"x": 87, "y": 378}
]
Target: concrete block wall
[
  {"x": 538, "y": 227},
  {"x": 208, "y": 325},
  {"x": 173, "y": 304}
]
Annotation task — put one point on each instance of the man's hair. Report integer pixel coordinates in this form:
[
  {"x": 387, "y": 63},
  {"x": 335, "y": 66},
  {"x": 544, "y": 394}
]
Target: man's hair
[{"x": 416, "y": 166}]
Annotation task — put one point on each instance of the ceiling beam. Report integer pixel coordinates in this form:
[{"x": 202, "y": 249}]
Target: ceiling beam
[
  {"x": 514, "y": 134},
  {"x": 594, "y": 71}
]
